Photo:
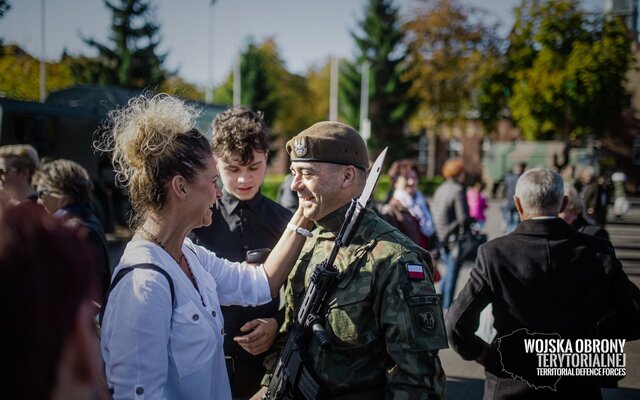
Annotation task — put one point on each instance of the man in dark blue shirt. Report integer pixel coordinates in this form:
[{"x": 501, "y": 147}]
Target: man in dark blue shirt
[{"x": 251, "y": 221}]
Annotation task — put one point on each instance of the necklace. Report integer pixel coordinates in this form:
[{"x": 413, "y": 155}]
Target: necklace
[
  {"x": 188, "y": 271},
  {"x": 159, "y": 243}
]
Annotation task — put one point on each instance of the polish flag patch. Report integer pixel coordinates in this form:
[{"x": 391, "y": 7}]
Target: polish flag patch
[{"x": 415, "y": 271}]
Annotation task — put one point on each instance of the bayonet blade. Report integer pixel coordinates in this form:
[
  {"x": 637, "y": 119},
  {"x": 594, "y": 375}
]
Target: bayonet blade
[{"x": 372, "y": 179}]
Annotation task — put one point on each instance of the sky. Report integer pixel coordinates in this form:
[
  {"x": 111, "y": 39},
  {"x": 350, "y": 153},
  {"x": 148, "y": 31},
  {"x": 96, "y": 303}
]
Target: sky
[{"x": 306, "y": 31}]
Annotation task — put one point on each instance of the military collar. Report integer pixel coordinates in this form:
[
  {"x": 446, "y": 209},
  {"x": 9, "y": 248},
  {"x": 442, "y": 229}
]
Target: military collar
[
  {"x": 330, "y": 225},
  {"x": 230, "y": 202}
]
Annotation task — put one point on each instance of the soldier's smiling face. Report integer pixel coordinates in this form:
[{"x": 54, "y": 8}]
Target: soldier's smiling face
[{"x": 318, "y": 185}]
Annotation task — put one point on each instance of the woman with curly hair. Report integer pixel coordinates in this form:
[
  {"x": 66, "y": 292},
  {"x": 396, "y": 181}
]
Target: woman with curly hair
[{"x": 162, "y": 330}]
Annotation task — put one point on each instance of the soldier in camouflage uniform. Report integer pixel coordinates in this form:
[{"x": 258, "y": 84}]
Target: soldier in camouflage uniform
[{"x": 385, "y": 319}]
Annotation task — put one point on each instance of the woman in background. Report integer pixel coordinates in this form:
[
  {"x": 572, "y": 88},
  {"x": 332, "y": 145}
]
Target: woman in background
[
  {"x": 64, "y": 189},
  {"x": 407, "y": 208}
]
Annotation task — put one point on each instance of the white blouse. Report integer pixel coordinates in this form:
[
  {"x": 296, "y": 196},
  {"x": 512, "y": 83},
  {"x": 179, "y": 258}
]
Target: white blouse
[{"x": 155, "y": 351}]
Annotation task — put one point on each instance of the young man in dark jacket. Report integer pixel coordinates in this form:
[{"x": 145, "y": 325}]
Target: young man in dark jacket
[{"x": 251, "y": 222}]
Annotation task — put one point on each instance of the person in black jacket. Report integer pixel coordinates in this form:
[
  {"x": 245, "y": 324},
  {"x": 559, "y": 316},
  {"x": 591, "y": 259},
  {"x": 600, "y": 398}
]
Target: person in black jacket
[
  {"x": 573, "y": 215},
  {"x": 247, "y": 220},
  {"x": 548, "y": 278},
  {"x": 64, "y": 189},
  {"x": 596, "y": 196}
]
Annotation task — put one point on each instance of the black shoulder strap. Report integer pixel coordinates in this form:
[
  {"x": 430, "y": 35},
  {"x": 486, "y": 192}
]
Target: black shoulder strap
[{"x": 125, "y": 271}]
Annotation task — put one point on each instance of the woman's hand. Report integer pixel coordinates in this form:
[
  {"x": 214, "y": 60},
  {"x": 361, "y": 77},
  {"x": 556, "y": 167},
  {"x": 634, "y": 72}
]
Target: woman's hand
[
  {"x": 299, "y": 219},
  {"x": 259, "y": 394},
  {"x": 263, "y": 334},
  {"x": 285, "y": 253}
]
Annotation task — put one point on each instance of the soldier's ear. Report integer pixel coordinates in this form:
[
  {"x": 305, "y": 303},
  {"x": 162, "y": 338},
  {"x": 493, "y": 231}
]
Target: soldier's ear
[{"x": 348, "y": 176}]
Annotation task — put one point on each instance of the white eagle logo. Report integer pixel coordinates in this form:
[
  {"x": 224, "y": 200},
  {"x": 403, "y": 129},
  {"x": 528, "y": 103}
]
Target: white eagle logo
[{"x": 300, "y": 147}]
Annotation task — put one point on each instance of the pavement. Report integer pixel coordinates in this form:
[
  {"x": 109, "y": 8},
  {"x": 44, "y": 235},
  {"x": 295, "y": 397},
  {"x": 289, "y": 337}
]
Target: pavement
[{"x": 465, "y": 379}]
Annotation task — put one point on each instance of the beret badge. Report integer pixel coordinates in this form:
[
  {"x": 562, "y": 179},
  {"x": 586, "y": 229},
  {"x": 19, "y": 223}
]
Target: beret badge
[{"x": 300, "y": 146}]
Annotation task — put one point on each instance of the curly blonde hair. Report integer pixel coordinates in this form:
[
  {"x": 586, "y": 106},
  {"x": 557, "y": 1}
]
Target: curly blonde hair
[{"x": 152, "y": 140}]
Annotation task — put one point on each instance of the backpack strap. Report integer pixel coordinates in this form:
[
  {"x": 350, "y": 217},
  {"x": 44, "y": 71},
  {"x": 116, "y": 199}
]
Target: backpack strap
[{"x": 124, "y": 271}]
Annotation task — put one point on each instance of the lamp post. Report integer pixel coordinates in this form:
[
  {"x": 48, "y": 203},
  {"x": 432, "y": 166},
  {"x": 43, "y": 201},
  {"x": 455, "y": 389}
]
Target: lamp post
[
  {"x": 209, "y": 91},
  {"x": 237, "y": 79},
  {"x": 237, "y": 87},
  {"x": 43, "y": 75},
  {"x": 333, "y": 90},
  {"x": 365, "y": 122}
]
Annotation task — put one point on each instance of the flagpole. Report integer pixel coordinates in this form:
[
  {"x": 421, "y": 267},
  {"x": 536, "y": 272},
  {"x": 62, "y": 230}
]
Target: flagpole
[
  {"x": 43, "y": 55},
  {"x": 333, "y": 90},
  {"x": 209, "y": 91}
]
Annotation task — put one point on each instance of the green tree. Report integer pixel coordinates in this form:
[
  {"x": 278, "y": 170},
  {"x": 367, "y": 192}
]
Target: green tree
[
  {"x": 176, "y": 85},
  {"x": 493, "y": 93},
  {"x": 380, "y": 43},
  {"x": 20, "y": 74},
  {"x": 319, "y": 82},
  {"x": 258, "y": 83},
  {"x": 131, "y": 58},
  {"x": 564, "y": 71},
  {"x": 451, "y": 48},
  {"x": 284, "y": 99},
  {"x": 4, "y": 7},
  {"x": 297, "y": 101}
]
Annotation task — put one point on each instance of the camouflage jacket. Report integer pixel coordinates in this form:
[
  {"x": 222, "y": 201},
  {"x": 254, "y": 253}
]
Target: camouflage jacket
[{"x": 385, "y": 323}]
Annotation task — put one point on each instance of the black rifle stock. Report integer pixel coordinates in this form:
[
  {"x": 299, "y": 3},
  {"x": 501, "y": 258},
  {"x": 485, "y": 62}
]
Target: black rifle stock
[{"x": 291, "y": 379}]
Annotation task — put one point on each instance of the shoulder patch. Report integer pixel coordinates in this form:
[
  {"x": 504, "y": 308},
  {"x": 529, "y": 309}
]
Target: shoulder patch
[
  {"x": 415, "y": 272},
  {"x": 425, "y": 319}
]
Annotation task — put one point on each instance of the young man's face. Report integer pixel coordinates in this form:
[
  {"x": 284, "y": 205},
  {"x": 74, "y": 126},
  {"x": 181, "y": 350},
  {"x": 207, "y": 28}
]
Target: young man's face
[{"x": 243, "y": 181}]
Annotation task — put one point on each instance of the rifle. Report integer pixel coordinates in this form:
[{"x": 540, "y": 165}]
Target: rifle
[{"x": 291, "y": 378}]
